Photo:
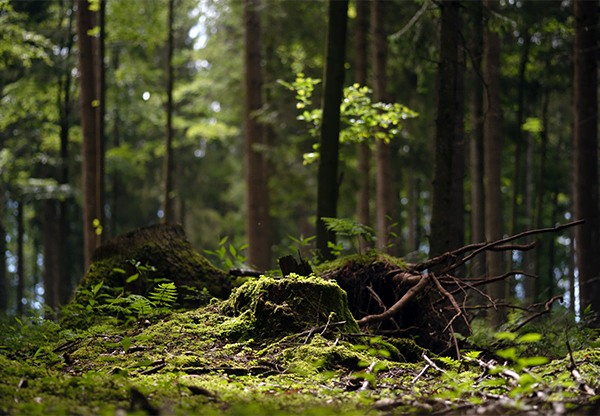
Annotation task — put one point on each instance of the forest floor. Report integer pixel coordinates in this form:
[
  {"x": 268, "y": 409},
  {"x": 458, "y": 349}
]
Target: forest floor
[{"x": 253, "y": 355}]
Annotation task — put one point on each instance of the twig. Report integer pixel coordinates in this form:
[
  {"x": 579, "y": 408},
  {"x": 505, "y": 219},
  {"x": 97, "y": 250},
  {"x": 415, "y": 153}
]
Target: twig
[
  {"x": 452, "y": 300},
  {"x": 378, "y": 300},
  {"x": 420, "y": 374},
  {"x": 532, "y": 317}
]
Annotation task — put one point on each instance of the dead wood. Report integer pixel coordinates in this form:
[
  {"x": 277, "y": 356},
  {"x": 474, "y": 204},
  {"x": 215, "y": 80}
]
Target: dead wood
[{"x": 430, "y": 290}]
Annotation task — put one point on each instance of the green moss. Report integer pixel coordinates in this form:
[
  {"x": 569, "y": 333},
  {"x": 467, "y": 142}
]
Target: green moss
[
  {"x": 279, "y": 307},
  {"x": 368, "y": 257}
]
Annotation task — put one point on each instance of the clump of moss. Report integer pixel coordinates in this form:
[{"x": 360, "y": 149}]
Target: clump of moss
[
  {"x": 283, "y": 306},
  {"x": 370, "y": 256}
]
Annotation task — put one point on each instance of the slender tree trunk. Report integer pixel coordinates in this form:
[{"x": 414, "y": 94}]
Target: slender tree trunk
[
  {"x": 20, "y": 261},
  {"x": 586, "y": 152},
  {"x": 493, "y": 163},
  {"x": 539, "y": 199},
  {"x": 476, "y": 142},
  {"x": 413, "y": 219},
  {"x": 572, "y": 265},
  {"x": 363, "y": 150},
  {"x": 445, "y": 135},
  {"x": 518, "y": 150},
  {"x": 168, "y": 195},
  {"x": 51, "y": 255},
  {"x": 333, "y": 89},
  {"x": 383, "y": 165},
  {"x": 527, "y": 282},
  {"x": 88, "y": 128},
  {"x": 115, "y": 185},
  {"x": 257, "y": 204},
  {"x": 100, "y": 74},
  {"x": 3, "y": 274},
  {"x": 457, "y": 227}
]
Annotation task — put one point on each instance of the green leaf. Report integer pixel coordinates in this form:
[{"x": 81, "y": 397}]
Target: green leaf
[
  {"x": 126, "y": 343},
  {"x": 132, "y": 278},
  {"x": 116, "y": 269},
  {"x": 530, "y": 337},
  {"x": 509, "y": 353},
  {"x": 506, "y": 335},
  {"x": 532, "y": 361}
]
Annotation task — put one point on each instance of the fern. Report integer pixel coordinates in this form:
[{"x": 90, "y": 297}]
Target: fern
[
  {"x": 164, "y": 294},
  {"x": 140, "y": 304}
]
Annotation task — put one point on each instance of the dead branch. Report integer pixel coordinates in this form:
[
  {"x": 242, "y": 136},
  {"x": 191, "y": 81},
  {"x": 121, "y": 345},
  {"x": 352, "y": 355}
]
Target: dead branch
[
  {"x": 398, "y": 305},
  {"x": 532, "y": 317}
]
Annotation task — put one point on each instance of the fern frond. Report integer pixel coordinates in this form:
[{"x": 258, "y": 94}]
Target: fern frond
[{"x": 164, "y": 294}]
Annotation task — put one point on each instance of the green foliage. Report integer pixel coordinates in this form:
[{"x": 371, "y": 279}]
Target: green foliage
[
  {"x": 362, "y": 120},
  {"x": 164, "y": 295},
  {"x": 230, "y": 257},
  {"x": 350, "y": 228}
]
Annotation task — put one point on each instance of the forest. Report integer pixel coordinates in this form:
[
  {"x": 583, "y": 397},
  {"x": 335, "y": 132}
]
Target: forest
[{"x": 290, "y": 207}]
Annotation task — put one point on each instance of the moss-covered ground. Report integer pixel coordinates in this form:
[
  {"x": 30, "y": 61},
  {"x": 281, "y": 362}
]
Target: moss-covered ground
[{"x": 232, "y": 357}]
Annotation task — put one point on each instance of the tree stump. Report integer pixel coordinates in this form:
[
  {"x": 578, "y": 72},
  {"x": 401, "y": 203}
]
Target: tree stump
[{"x": 164, "y": 247}]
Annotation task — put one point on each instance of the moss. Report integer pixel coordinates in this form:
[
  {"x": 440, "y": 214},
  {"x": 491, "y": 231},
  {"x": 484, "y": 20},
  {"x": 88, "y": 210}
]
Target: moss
[
  {"x": 371, "y": 256},
  {"x": 293, "y": 304},
  {"x": 164, "y": 247},
  {"x": 408, "y": 349}
]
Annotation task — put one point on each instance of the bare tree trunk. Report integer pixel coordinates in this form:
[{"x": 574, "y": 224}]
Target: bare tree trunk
[
  {"x": 539, "y": 199},
  {"x": 363, "y": 195},
  {"x": 88, "y": 128},
  {"x": 476, "y": 144},
  {"x": 100, "y": 74},
  {"x": 457, "y": 227},
  {"x": 20, "y": 260},
  {"x": 586, "y": 152},
  {"x": 3, "y": 275},
  {"x": 572, "y": 298},
  {"x": 383, "y": 159},
  {"x": 413, "y": 219},
  {"x": 257, "y": 204},
  {"x": 445, "y": 133},
  {"x": 493, "y": 163},
  {"x": 527, "y": 282},
  {"x": 114, "y": 202},
  {"x": 518, "y": 150},
  {"x": 168, "y": 195},
  {"x": 51, "y": 255}
]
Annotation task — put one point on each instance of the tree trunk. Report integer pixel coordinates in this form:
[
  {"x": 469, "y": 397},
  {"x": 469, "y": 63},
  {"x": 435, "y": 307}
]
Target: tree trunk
[
  {"x": 445, "y": 135},
  {"x": 413, "y": 218},
  {"x": 51, "y": 255},
  {"x": 333, "y": 88},
  {"x": 518, "y": 150},
  {"x": 586, "y": 152},
  {"x": 168, "y": 195},
  {"x": 114, "y": 202},
  {"x": 527, "y": 282},
  {"x": 383, "y": 163},
  {"x": 457, "y": 208},
  {"x": 20, "y": 260},
  {"x": 88, "y": 128},
  {"x": 476, "y": 143},
  {"x": 493, "y": 163},
  {"x": 363, "y": 195},
  {"x": 539, "y": 200},
  {"x": 100, "y": 74},
  {"x": 3, "y": 274},
  {"x": 257, "y": 204}
]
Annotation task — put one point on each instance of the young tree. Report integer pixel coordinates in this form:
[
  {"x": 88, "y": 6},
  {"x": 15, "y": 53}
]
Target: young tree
[
  {"x": 585, "y": 144},
  {"x": 333, "y": 86},
  {"x": 383, "y": 165},
  {"x": 445, "y": 135},
  {"x": 88, "y": 127},
  {"x": 257, "y": 204},
  {"x": 493, "y": 160}
]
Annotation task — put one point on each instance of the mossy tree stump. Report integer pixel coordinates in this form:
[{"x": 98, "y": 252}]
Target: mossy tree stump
[
  {"x": 278, "y": 307},
  {"x": 164, "y": 247}
]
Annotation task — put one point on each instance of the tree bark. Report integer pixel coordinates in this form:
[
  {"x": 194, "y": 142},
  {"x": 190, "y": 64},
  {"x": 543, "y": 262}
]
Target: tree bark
[
  {"x": 51, "y": 255},
  {"x": 539, "y": 199},
  {"x": 100, "y": 74},
  {"x": 3, "y": 274},
  {"x": 333, "y": 88},
  {"x": 445, "y": 135},
  {"x": 257, "y": 204},
  {"x": 383, "y": 159},
  {"x": 115, "y": 184},
  {"x": 20, "y": 260},
  {"x": 88, "y": 128},
  {"x": 363, "y": 150},
  {"x": 518, "y": 148},
  {"x": 476, "y": 142},
  {"x": 168, "y": 195},
  {"x": 493, "y": 163},
  {"x": 586, "y": 152},
  {"x": 528, "y": 209}
]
